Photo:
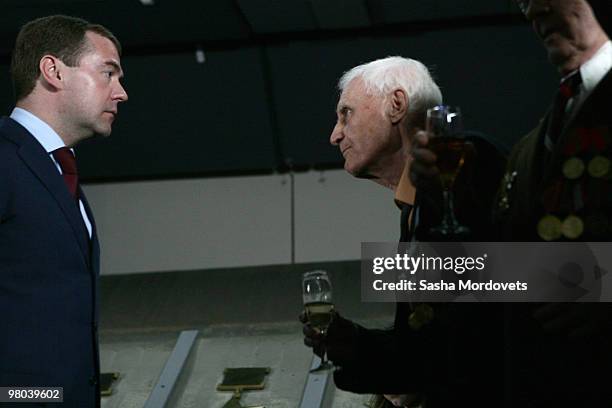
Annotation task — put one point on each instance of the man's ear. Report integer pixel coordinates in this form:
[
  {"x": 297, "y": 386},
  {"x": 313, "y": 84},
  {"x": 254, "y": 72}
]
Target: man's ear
[
  {"x": 51, "y": 71},
  {"x": 399, "y": 106}
]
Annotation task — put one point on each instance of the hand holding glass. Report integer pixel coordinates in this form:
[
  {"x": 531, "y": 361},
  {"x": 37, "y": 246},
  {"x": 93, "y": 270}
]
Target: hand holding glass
[
  {"x": 317, "y": 297},
  {"x": 445, "y": 127}
]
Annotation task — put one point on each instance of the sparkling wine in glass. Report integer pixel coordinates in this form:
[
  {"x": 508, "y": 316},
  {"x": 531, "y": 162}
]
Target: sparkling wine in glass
[
  {"x": 445, "y": 127},
  {"x": 317, "y": 297}
]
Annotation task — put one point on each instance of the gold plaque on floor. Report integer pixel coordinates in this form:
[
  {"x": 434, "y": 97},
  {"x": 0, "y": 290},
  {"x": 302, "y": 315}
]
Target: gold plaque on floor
[
  {"x": 240, "y": 379},
  {"x": 244, "y": 378},
  {"x": 106, "y": 383}
]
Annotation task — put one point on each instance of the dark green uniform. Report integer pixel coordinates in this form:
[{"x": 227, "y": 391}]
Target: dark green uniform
[{"x": 559, "y": 194}]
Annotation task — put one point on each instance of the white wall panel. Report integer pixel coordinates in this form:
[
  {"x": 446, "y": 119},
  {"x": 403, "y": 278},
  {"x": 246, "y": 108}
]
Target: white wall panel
[
  {"x": 336, "y": 212},
  {"x": 192, "y": 224},
  {"x": 238, "y": 221}
]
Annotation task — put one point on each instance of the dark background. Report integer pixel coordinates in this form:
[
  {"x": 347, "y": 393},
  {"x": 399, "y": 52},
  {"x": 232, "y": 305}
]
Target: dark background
[{"x": 265, "y": 95}]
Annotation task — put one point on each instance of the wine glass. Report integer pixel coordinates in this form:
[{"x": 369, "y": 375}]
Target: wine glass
[
  {"x": 445, "y": 127},
  {"x": 317, "y": 297}
]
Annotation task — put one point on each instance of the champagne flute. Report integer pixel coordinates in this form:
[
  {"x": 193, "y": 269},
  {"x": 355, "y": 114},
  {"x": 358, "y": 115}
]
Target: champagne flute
[
  {"x": 317, "y": 297},
  {"x": 444, "y": 125}
]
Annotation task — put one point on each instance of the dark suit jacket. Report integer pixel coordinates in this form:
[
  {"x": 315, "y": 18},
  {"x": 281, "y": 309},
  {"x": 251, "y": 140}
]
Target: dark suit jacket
[
  {"x": 48, "y": 274},
  {"x": 544, "y": 369}
]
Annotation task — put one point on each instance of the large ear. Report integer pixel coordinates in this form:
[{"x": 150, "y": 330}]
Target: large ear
[
  {"x": 51, "y": 71},
  {"x": 398, "y": 106}
]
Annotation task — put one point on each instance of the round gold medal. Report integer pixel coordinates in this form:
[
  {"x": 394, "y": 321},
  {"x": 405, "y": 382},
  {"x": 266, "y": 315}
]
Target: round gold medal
[
  {"x": 420, "y": 316},
  {"x": 573, "y": 168},
  {"x": 549, "y": 228},
  {"x": 572, "y": 227},
  {"x": 599, "y": 166}
]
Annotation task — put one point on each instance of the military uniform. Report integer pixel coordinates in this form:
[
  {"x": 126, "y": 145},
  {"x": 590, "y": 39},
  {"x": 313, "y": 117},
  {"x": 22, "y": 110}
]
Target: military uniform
[
  {"x": 559, "y": 191},
  {"x": 564, "y": 193}
]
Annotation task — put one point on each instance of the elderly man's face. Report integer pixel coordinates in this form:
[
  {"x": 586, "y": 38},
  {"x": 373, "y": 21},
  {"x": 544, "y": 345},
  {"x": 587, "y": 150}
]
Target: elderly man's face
[
  {"x": 567, "y": 28},
  {"x": 363, "y": 132}
]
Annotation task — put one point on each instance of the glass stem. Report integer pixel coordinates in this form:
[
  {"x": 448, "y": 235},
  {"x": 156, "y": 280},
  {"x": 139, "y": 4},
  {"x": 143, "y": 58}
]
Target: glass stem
[{"x": 448, "y": 220}]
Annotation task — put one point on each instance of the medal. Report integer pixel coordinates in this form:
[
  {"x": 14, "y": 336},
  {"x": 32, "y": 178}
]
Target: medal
[
  {"x": 572, "y": 227},
  {"x": 599, "y": 166},
  {"x": 573, "y": 168},
  {"x": 549, "y": 228},
  {"x": 420, "y": 316}
]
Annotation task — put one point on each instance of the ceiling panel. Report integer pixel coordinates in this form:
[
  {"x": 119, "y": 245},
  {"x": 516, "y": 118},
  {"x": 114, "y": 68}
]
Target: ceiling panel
[
  {"x": 37, "y": 3},
  {"x": 399, "y": 11},
  {"x": 340, "y": 14},
  {"x": 165, "y": 22},
  {"x": 270, "y": 16},
  {"x": 176, "y": 22}
]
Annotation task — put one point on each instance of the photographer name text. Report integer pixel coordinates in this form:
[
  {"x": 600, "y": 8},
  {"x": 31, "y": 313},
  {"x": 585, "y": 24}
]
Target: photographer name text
[{"x": 410, "y": 265}]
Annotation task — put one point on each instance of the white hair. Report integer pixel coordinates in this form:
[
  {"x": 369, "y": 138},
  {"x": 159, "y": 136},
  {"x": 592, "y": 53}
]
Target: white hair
[{"x": 385, "y": 75}]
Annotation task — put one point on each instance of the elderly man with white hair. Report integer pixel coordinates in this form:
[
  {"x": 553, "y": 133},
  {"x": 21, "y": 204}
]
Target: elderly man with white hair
[{"x": 382, "y": 105}]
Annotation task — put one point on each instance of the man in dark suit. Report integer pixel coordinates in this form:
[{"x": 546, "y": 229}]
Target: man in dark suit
[
  {"x": 382, "y": 105},
  {"x": 66, "y": 74},
  {"x": 557, "y": 187}
]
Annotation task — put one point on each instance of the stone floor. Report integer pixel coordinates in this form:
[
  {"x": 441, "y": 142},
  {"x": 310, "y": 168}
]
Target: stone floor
[
  {"x": 246, "y": 317},
  {"x": 140, "y": 356}
]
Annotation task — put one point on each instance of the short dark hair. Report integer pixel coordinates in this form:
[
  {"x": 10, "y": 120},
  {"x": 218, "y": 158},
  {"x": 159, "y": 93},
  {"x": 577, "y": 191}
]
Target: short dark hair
[{"x": 58, "y": 35}]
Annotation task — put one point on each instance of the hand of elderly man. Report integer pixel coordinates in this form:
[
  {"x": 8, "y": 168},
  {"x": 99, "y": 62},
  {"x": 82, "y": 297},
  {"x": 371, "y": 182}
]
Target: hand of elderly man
[{"x": 340, "y": 340}]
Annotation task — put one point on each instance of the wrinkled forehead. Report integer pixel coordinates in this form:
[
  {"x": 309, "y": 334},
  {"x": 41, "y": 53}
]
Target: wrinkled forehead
[
  {"x": 351, "y": 87},
  {"x": 357, "y": 89}
]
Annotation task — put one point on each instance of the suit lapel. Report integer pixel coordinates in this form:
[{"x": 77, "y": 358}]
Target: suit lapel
[
  {"x": 37, "y": 160},
  {"x": 94, "y": 268},
  {"x": 529, "y": 168},
  {"x": 94, "y": 243}
]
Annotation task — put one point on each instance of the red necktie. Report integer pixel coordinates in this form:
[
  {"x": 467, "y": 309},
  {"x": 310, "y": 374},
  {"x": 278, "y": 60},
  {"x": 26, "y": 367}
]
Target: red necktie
[
  {"x": 567, "y": 90},
  {"x": 65, "y": 158}
]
